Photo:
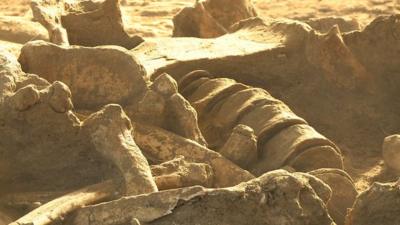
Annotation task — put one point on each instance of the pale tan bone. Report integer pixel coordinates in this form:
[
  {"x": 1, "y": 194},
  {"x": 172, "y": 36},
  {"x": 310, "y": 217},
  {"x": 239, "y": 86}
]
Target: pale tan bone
[
  {"x": 179, "y": 173},
  {"x": 48, "y": 13},
  {"x": 159, "y": 144},
  {"x": 241, "y": 146},
  {"x": 60, "y": 207},
  {"x": 270, "y": 199},
  {"x": 179, "y": 117}
]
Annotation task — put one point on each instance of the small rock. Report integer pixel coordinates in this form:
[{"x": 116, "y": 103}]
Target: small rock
[
  {"x": 60, "y": 97},
  {"x": 391, "y": 152},
  {"x": 165, "y": 85},
  {"x": 241, "y": 147},
  {"x": 379, "y": 205},
  {"x": 25, "y": 98}
]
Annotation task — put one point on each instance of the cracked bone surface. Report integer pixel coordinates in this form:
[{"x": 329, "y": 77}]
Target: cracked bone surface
[
  {"x": 303, "y": 68},
  {"x": 48, "y": 13},
  {"x": 101, "y": 81},
  {"x": 253, "y": 45},
  {"x": 171, "y": 110},
  {"x": 90, "y": 73},
  {"x": 270, "y": 199},
  {"x": 46, "y": 147},
  {"x": 76, "y": 23},
  {"x": 283, "y": 138},
  {"x": 159, "y": 145},
  {"x": 241, "y": 146},
  {"x": 342, "y": 80},
  {"x": 178, "y": 173}
]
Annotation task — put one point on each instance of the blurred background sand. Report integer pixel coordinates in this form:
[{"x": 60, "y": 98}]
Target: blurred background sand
[{"x": 150, "y": 18}]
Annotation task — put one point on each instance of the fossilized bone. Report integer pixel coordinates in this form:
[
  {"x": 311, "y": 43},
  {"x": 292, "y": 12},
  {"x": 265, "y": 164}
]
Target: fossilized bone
[
  {"x": 160, "y": 145},
  {"x": 276, "y": 196},
  {"x": 48, "y": 13},
  {"x": 211, "y": 18},
  {"x": 58, "y": 208},
  {"x": 87, "y": 23},
  {"x": 179, "y": 173},
  {"x": 344, "y": 192},
  {"x": 283, "y": 137},
  {"x": 36, "y": 115},
  {"x": 390, "y": 152},
  {"x": 304, "y": 68},
  {"x": 241, "y": 146},
  {"x": 120, "y": 148},
  {"x": 172, "y": 111},
  {"x": 372, "y": 206},
  {"x": 90, "y": 73},
  {"x": 102, "y": 81}
]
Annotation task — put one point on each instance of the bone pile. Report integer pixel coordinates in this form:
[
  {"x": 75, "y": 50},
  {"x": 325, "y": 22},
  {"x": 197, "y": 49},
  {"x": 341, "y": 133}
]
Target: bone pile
[{"x": 212, "y": 126}]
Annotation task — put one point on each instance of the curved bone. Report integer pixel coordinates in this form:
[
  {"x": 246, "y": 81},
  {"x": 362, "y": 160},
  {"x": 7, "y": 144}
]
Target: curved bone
[
  {"x": 290, "y": 141},
  {"x": 282, "y": 136},
  {"x": 161, "y": 145},
  {"x": 276, "y": 196},
  {"x": 86, "y": 23},
  {"x": 178, "y": 173},
  {"x": 344, "y": 192},
  {"x": 110, "y": 131},
  {"x": 241, "y": 147},
  {"x": 58, "y": 208}
]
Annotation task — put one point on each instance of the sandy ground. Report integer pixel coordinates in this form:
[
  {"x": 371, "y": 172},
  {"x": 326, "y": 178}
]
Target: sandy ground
[
  {"x": 150, "y": 18},
  {"x": 153, "y": 18}
]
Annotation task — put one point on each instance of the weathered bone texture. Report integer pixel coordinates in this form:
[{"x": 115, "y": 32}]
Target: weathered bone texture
[
  {"x": 110, "y": 132},
  {"x": 39, "y": 126},
  {"x": 57, "y": 209},
  {"x": 385, "y": 60},
  {"x": 86, "y": 23},
  {"x": 292, "y": 142},
  {"x": 179, "y": 173},
  {"x": 377, "y": 205},
  {"x": 211, "y": 18},
  {"x": 288, "y": 48},
  {"x": 344, "y": 192},
  {"x": 102, "y": 81},
  {"x": 96, "y": 76},
  {"x": 93, "y": 23},
  {"x": 302, "y": 67},
  {"x": 391, "y": 152},
  {"x": 20, "y": 30},
  {"x": 48, "y": 13},
  {"x": 159, "y": 145},
  {"x": 163, "y": 106},
  {"x": 283, "y": 138},
  {"x": 241, "y": 146},
  {"x": 275, "y": 198}
]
